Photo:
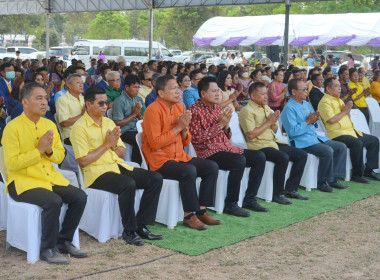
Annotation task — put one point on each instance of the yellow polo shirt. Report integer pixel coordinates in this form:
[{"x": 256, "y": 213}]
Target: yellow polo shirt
[
  {"x": 253, "y": 116},
  {"x": 67, "y": 107},
  {"x": 330, "y": 106},
  {"x": 25, "y": 165},
  {"x": 375, "y": 90},
  {"x": 361, "y": 101},
  {"x": 365, "y": 83},
  {"x": 87, "y": 136},
  {"x": 144, "y": 91}
]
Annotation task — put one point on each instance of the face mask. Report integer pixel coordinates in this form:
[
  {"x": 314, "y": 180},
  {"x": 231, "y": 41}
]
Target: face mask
[
  {"x": 245, "y": 74},
  {"x": 10, "y": 75},
  {"x": 83, "y": 78}
]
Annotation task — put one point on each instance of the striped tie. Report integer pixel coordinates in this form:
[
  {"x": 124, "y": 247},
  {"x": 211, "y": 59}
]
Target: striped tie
[{"x": 9, "y": 88}]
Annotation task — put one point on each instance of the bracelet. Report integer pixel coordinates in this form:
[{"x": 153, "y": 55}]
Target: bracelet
[
  {"x": 49, "y": 154},
  {"x": 105, "y": 146}
]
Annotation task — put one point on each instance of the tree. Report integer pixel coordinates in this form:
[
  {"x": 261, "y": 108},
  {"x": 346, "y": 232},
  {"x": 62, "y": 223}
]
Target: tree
[{"x": 109, "y": 25}]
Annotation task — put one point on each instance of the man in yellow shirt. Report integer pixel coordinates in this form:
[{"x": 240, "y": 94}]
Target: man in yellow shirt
[
  {"x": 298, "y": 61},
  {"x": 147, "y": 87},
  {"x": 99, "y": 152},
  {"x": 335, "y": 116},
  {"x": 259, "y": 125},
  {"x": 31, "y": 143}
]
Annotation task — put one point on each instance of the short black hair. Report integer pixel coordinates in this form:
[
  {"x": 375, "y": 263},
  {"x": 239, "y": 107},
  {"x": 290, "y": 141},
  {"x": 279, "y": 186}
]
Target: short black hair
[
  {"x": 352, "y": 71},
  {"x": 181, "y": 76},
  {"x": 104, "y": 68},
  {"x": 161, "y": 82},
  {"x": 41, "y": 69},
  {"x": 89, "y": 94},
  {"x": 142, "y": 75},
  {"x": 276, "y": 72},
  {"x": 254, "y": 73},
  {"x": 341, "y": 70},
  {"x": 5, "y": 65},
  {"x": 150, "y": 63},
  {"x": 28, "y": 89},
  {"x": 194, "y": 73},
  {"x": 328, "y": 82},
  {"x": 131, "y": 80},
  {"x": 327, "y": 70},
  {"x": 74, "y": 69},
  {"x": 204, "y": 84},
  {"x": 253, "y": 87},
  {"x": 314, "y": 77},
  {"x": 293, "y": 85}
]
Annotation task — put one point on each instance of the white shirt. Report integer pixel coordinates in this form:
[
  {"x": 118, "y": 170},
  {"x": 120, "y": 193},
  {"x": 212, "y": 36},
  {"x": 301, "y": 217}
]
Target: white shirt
[{"x": 216, "y": 61}]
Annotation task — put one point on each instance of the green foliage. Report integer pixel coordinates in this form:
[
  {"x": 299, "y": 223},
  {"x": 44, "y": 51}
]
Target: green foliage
[
  {"x": 109, "y": 25},
  {"x": 54, "y": 40}
]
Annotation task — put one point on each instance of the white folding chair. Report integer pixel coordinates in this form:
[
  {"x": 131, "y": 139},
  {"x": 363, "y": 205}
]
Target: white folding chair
[
  {"x": 374, "y": 116},
  {"x": 24, "y": 224},
  {"x": 3, "y": 207},
  {"x": 138, "y": 126},
  {"x": 101, "y": 217},
  {"x": 59, "y": 127},
  {"x": 237, "y": 138},
  {"x": 359, "y": 121},
  {"x": 8, "y": 119},
  {"x": 169, "y": 210},
  {"x": 109, "y": 113}
]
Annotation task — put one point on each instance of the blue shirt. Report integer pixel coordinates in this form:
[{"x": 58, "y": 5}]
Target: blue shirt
[
  {"x": 190, "y": 96},
  {"x": 150, "y": 98},
  {"x": 293, "y": 118},
  {"x": 310, "y": 62},
  {"x": 59, "y": 94}
]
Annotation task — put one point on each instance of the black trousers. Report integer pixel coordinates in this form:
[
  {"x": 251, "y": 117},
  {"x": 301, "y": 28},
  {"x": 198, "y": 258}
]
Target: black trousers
[
  {"x": 51, "y": 203},
  {"x": 236, "y": 164},
  {"x": 130, "y": 138},
  {"x": 356, "y": 145},
  {"x": 281, "y": 160},
  {"x": 365, "y": 111},
  {"x": 186, "y": 173},
  {"x": 125, "y": 185}
]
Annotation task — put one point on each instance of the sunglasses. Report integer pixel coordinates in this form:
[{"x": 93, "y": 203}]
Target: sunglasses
[
  {"x": 102, "y": 103},
  {"x": 150, "y": 79}
]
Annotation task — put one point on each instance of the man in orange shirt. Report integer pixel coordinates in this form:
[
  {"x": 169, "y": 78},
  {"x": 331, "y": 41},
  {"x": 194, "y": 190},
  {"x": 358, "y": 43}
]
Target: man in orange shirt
[{"x": 165, "y": 134}]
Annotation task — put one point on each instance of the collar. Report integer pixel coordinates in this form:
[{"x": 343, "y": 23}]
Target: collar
[
  {"x": 146, "y": 88},
  {"x": 328, "y": 96},
  {"x": 194, "y": 87},
  {"x": 89, "y": 120},
  {"x": 255, "y": 105},
  {"x": 113, "y": 89},
  {"x": 200, "y": 104},
  {"x": 28, "y": 121},
  {"x": 127, "y": 96},
  {"x": 69, "y": 95}
]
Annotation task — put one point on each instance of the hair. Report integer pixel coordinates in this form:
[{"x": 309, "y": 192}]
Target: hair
[
  {"x": 155, "y": 76},
  {"x": 194, "y": 73},
  {"x": 181, "y": 76},
  {"x": 16, "y": 87},
  {"x": 276, "y": 72},
  {"x": 150, "y": 63},
  {"x": 34, "y": 75},
  {"x": 28, "y": 89},
  {"x": 171, "y": 66},
  {"x": 141, "y": 75},
  {"x": 267, "y": 68},
  {"x": 71, "y": 77},
  {"x": 161, "y": 82},
  {"x": 222, "y": 79},
  {"x": 361, "y": 70},
  {"x": 89, "y": 94},
  {"x": 41, "y": 69},
  {"x": 314, "y": 77},
  {"x": 104, "y": 68},
  {"x": 55, "y": 69},
  {"x": 328, "y": 82},
  {"x": 67, "y": 73},
  {"x": 287, "y": 75},
  {"x": 253, "y": 87},
  {"x": 131, "y": 80},
  {"x": 293, "y": 85},
  {"x": 254, "y": 73},
  {"x": 376, "y": 75},
  {"x": 295, "y": 71},
  {"x": 188, "y": 65},
  {"x": 111, "y": 74},
  {"x": 204, "y": 84},
  {"x": 74, "y": 69},
  {"x": 341, "y": 70},
  {"x": 352, "y": 71},
  {"x": 5, "y": 65},
  {"x": 161, "y": 67}
]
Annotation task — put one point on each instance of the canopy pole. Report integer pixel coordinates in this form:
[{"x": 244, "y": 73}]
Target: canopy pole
[
  {"x": 286, "y": 33},
  {"x": 47, "y": 34},
  {"x": 150, "y": 29}
]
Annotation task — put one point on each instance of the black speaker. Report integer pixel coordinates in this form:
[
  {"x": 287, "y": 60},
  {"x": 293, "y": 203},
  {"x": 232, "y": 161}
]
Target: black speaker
[{"x": 273, "y": 53}]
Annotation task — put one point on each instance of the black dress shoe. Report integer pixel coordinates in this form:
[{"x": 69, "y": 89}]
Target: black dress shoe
[
  {"x": 68, "y": 248},
  {"x": 337, "y": 185},
  {"x": 296, "y": 195},
  {"x": 145, "y": 233},
  {"x": 325, "y": 188},
  {"x": 235, "y": 210},
  {"x": 52, "y": 256},
  {"x": 359, "y": 179},
  {"x": 131, "y": 237},
  {"x": 372, "y": 176},
  {"x": 281, "y": 199},
  {"x": 255, "y": 206}
]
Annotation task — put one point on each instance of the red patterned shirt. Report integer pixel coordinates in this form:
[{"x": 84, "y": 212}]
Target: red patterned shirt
[{"x": 208, "y": 137}]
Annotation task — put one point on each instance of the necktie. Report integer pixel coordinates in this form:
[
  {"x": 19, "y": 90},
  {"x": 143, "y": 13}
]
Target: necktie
[{"x": 9, "y": 88}]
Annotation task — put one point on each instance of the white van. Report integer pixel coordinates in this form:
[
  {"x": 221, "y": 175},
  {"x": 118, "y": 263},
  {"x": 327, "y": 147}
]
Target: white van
[
  {"x": 85, "y": 50},
  {"x": 134, "y": 50}
]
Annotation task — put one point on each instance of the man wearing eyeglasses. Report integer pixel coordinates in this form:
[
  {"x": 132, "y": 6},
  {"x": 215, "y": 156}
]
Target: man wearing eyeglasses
[
  {"x": 191, "y": 95},
  {"x": 299, "y": 121},
  {"x": 99, "y": 152},
  {"x": 113, "y": 90},
  {"x": 146, "y": 88}
]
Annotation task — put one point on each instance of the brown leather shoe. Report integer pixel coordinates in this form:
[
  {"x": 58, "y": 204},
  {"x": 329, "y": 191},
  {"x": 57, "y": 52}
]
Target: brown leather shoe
[
  {"x": 194, "y": 223},
  {"x": 208, "y": 220}
]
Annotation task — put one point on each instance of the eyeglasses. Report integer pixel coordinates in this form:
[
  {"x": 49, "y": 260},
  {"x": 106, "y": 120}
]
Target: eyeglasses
[
  {"x": 150, "y": 79},
  {"x": 102, "y": 103},
  {"x": 114, "y": 80},
  {"x": 302, "y": 89}
]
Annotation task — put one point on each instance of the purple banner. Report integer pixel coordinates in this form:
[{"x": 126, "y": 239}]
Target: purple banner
[
  {"x": 233, "y": 41},
  {"x": 342, "y": 40},
  {"x": 267, "y": 40},
  {"x": 204, "y": 42},
  {"x": 301, "y": 41},
  {"x": 375, "y": 42}
]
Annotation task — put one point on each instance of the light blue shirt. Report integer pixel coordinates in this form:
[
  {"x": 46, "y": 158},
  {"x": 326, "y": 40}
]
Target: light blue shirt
[
  {"x": 190, "y": 96},
  {"x": 59, "y": 94},
  {"x": 293, "y": 118},
  {"x": 311, "y": 62}
]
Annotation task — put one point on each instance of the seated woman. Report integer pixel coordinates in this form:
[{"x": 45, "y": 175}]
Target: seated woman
[
  {"x": 277, "y": 91},
  {"x": 359, "y": 96},
  {"x": 375, "y": 86},
  {"x": 15, "y": 108}
]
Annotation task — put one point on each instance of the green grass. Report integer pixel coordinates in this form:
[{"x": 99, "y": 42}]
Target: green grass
[{"x": 192, "y": 242}]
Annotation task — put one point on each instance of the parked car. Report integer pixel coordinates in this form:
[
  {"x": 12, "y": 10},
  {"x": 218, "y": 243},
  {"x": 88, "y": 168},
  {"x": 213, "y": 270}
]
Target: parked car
[
  {"x": 3, "y": 53},
  {"x": 186, "y": 54},
  {"x": 177, "y": 55},
  {"x": 25, "y": 52},
  {"x": 200, "y": 57}
]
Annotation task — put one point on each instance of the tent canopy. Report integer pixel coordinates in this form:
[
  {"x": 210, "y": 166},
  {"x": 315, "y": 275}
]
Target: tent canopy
[{"x": 329, "y": 29}]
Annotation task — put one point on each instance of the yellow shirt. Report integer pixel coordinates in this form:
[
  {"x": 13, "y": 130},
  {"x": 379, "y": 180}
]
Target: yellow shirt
[
  {"x": 68, "y": 107},
  {"x": 330, "y": 106},
  {"x": 361, "y": 101},
  {"x": 375, "y": 90},
  {"x": 25, "y": 165},
  {"x": 365, "y": 83},
  {"x": 298, "y": 62},
  {"x": 144, "y": 91},
  {"x": 86, "y": 136},
  {"x": 253, "y": 116}
]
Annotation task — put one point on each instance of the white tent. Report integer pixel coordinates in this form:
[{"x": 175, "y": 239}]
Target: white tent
[{"x": 328, "y": 29}]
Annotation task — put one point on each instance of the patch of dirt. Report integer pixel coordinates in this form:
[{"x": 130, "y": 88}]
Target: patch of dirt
[{"x": 343, "y": 244}]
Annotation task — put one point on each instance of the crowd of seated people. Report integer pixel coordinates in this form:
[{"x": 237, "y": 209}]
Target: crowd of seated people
[{"x": 97, "y": 112}]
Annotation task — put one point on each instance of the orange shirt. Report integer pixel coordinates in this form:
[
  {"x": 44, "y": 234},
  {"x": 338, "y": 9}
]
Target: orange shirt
[
  {"x": 375, "y": 90},
  {"x": 160, "y": 144}
]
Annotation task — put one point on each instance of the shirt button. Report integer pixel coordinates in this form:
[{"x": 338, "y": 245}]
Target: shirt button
[
  {"x": 47, "y": 174},
  {"x": 43, "y": 166},
  {"x": 38, "y": 138}
]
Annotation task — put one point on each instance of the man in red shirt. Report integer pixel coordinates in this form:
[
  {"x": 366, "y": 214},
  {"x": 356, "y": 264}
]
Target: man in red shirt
[
  {"x": 211, "y": 134},
  {"x": 165, "y": 134}
]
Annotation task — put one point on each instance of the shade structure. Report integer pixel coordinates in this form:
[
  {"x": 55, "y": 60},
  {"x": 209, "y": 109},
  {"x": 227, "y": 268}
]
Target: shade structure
[{"x": 354, "y": 29}]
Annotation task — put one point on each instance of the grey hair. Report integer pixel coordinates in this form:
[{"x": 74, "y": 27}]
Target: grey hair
[
  {"x": 27, "y": 90},
  {"x": 155, "y": 76},
  {"x": 111, "y": 74},
  {"x": 71, "y": 77}
]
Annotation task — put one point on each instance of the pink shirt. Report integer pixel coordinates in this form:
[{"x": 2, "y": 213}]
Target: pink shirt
[{"x": 274, "y": 91}]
